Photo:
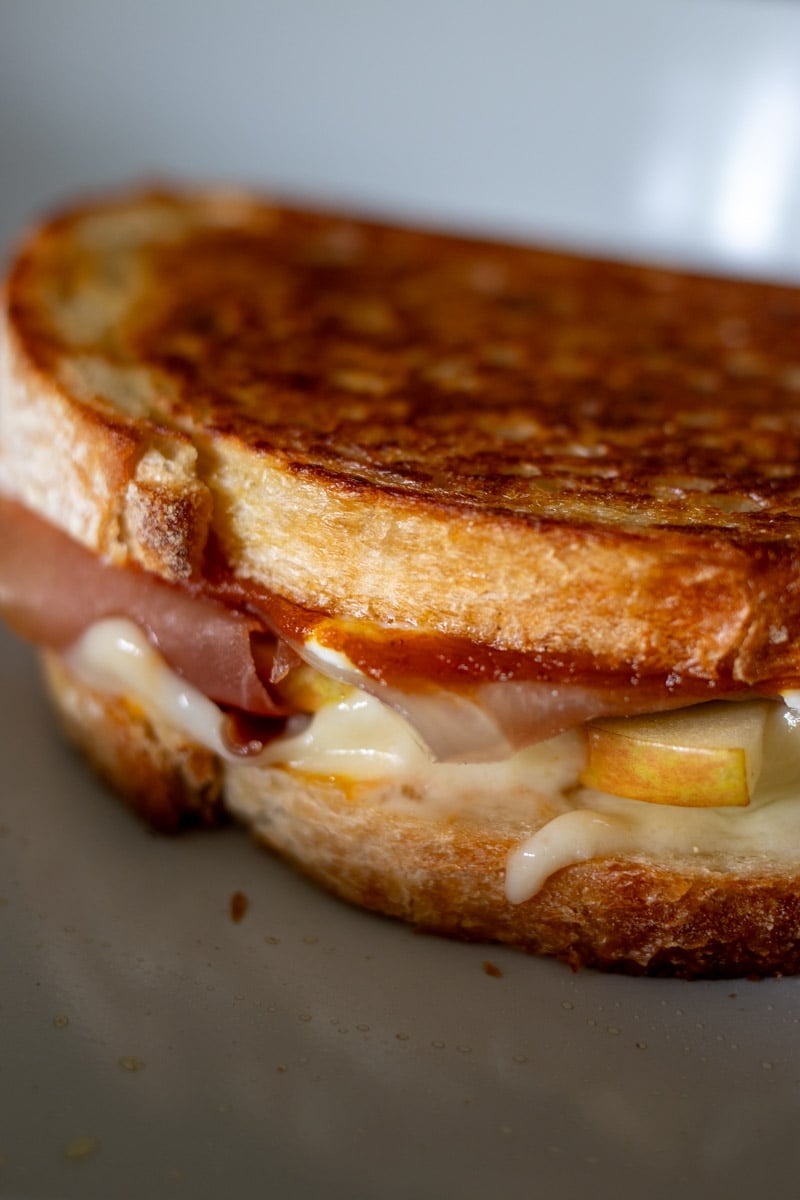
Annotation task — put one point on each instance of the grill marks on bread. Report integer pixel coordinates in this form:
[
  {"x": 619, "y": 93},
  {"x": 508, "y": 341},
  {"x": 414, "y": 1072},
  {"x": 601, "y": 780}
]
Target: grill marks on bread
[
  {"x": 576, "y": 457},
  {"x": 532, "y": 383}
]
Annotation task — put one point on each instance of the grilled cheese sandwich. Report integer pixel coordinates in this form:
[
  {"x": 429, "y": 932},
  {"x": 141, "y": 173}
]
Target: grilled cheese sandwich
[{"x": 466, "y": 574}]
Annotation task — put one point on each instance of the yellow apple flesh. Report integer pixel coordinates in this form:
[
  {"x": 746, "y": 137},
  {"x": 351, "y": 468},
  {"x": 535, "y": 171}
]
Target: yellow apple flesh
[
  {"x": 705, "y": 756},
  {"x": 307, "y": 690}
]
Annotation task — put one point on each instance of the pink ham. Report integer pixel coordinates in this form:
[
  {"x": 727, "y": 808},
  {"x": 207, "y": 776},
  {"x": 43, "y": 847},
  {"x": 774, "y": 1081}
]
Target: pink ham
[
  {"x": 220, "y": 638},
  {"x": 52, "y": 588}
]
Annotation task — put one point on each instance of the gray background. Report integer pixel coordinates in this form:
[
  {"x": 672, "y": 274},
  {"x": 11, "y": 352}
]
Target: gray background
[{"x": 670, "y": 127}]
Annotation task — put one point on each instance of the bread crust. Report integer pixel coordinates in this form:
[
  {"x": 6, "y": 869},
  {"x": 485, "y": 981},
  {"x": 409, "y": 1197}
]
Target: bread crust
[
  {"x": 586, "y": 461},
  {"x": 687, "y": 918},
  {"x": 168, "y": 779}
]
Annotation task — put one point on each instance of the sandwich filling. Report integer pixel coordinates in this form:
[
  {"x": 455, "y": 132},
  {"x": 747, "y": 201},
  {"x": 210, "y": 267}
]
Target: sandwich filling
[
  {"x": 570, "y": 770},
  {"x": 367, "y": 746}
]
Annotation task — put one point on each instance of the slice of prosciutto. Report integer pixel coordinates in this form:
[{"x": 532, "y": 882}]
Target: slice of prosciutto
[
  {"x": 52, "y": 589},
  {"x": 223, "y": 640}
]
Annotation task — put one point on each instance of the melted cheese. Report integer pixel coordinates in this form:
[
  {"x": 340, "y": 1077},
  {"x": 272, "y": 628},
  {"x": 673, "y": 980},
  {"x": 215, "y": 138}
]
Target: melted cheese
[
  {"x": 601, "y": 825},
  {"x": 116, "y": 656},
  {"x": 357, "y": 738},
  {"x": 532, "y": 796}
]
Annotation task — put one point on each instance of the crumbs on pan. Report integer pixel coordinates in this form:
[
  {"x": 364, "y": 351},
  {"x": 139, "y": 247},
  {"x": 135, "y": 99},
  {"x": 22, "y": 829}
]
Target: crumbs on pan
[
  {"x": 129, "y": 1062},
  {"x": 490, "y": 969},
  {"x": 239, "y": 906},
  {"x": 80, "y": 1147}
]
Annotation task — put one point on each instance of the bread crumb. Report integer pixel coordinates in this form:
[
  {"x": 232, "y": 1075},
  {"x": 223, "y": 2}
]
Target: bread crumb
[
  {"x": 239, "y": 906},
  {"x": 490, "y": 969},
  {"x": 129, "y": 1062},
  {"x": 80, "y": 1147}
]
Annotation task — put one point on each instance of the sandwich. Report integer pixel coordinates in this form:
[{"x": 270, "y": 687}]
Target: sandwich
[{"x": 465, "y": 574}]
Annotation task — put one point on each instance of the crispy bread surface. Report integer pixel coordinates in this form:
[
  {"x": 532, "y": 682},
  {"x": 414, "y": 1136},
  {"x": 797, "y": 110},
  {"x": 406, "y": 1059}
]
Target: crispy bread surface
[
  {"x": 170, "y": 780},
  {"x": 587, "y": 461},
  {"x": 713, "y": 917}
]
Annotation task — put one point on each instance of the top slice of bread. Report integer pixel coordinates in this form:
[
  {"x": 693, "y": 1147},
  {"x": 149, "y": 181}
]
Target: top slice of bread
[{"x": 583, "y": 460}]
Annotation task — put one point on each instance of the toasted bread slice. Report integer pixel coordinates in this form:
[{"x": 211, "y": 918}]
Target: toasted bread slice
[
  {"x": 586, "y": 461},
  {"x": 719, "y": 914}
]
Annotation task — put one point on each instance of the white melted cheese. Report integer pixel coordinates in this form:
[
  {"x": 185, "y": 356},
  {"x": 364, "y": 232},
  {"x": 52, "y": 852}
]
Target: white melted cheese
[
  {"x": 600, "y": 824},
  {"x": 356, "y": 737},
  {"x": 532, "y": 796},
  {"x": 115, "y": 656}
]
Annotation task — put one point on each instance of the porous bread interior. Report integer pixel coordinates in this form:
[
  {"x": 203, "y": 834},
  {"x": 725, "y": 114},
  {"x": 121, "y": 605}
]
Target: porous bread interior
[
  {"x": 713, "y": 916},
  {"x": 523, "y": 449}
]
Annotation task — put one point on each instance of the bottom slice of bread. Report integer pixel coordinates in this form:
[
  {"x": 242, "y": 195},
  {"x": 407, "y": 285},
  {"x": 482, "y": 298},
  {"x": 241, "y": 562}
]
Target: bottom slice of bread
[{"x": 692, "y": 918}]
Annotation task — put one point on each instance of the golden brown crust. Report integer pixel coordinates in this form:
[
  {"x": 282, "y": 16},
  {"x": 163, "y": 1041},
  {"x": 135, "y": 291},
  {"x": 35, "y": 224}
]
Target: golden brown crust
[
  {"x": 706, "y": 918},
  {"x": 526, "y": 449},
  {"x": 635, "y": 916},
  {"x": 168, "y": 779}
]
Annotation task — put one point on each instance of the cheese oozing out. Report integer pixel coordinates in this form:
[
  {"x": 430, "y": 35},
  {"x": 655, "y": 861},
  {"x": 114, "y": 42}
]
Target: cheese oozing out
[
  {"x": 116, "y": 656},
  {"x": 532, "y": 796}
]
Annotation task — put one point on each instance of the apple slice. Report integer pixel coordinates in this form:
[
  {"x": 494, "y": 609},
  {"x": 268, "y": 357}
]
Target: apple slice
[
  {"x": 700, "y": 757},
  {"x": 308, "y": 690}
]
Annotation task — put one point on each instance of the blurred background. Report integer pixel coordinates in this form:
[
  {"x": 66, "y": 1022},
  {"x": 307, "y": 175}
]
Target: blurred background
[{"x": 669, "y": 128}]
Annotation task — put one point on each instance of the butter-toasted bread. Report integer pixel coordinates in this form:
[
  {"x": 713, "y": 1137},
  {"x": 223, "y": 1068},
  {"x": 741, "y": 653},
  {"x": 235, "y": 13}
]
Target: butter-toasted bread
[
  {"x": 715, "y": 915},
  {"x": 589, "y": 461}
]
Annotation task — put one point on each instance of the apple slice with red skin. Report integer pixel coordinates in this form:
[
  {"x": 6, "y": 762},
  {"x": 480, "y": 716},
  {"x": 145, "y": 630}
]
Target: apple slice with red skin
[{"x": 705, "y": 756}]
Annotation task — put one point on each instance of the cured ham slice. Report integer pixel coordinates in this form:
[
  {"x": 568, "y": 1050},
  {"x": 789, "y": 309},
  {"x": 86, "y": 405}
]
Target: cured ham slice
[
  {"x": 223, "y": 640},
  {"x": 52, "y": 589}
]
